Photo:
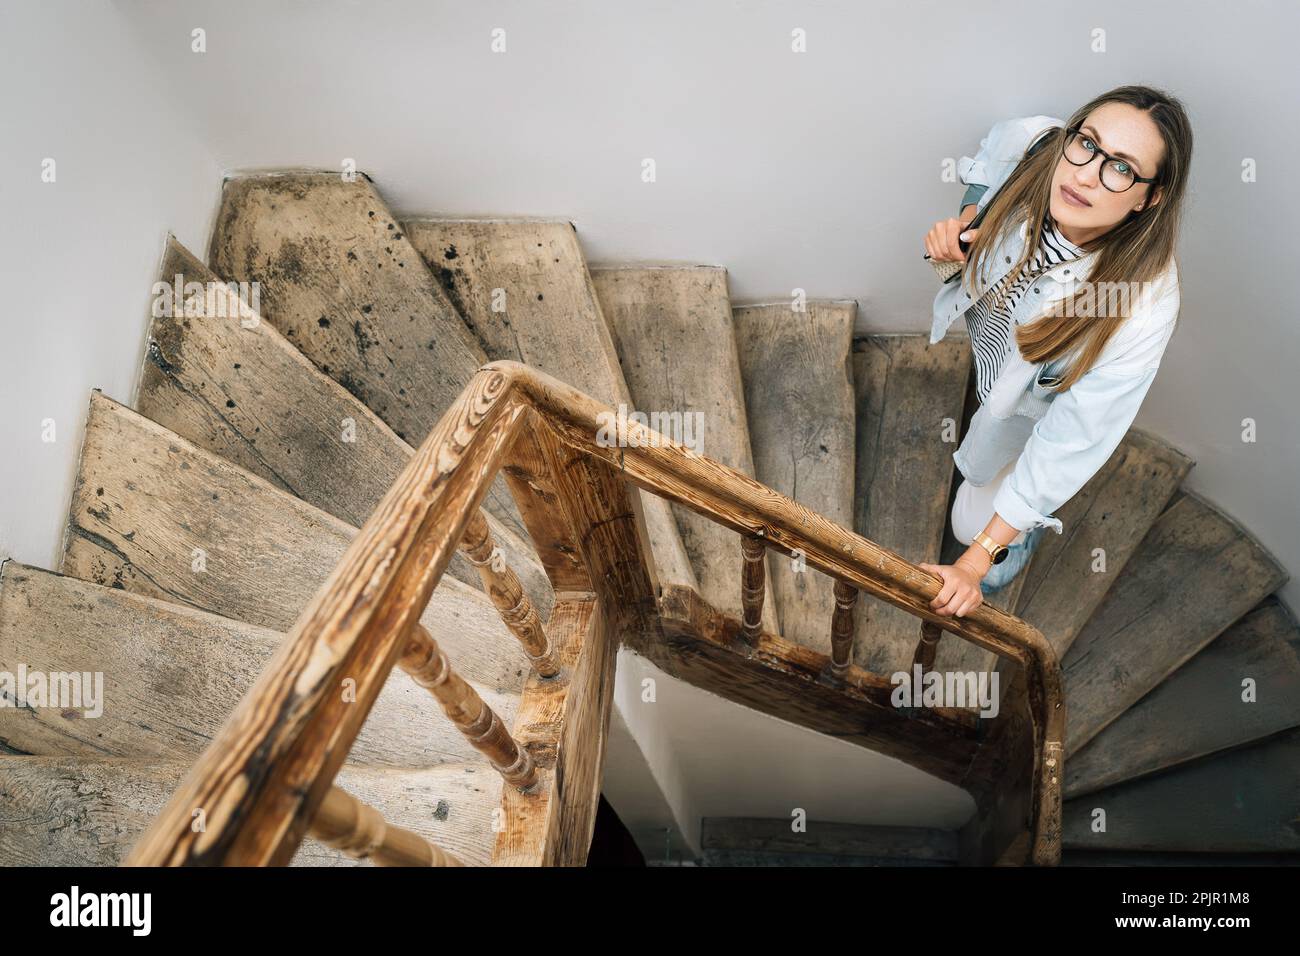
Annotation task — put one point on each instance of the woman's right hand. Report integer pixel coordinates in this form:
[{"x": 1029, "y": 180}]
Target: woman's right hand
[{"x": 941, "y": 242}]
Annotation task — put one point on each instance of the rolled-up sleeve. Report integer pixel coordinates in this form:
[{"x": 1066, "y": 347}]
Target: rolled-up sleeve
[{"x": 1081, "y": 429}]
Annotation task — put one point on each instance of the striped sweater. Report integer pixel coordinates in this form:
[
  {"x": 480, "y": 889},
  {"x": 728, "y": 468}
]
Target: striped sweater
[{"x": 990, "y": 324}]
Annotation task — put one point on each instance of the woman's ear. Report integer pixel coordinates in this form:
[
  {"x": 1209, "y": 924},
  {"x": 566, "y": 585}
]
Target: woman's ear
[{"x": 1151, "y": 200}]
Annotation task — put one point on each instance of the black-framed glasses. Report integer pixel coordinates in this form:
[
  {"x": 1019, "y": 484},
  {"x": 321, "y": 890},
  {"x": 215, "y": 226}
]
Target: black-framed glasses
[{"x": 1117, "y": 175}]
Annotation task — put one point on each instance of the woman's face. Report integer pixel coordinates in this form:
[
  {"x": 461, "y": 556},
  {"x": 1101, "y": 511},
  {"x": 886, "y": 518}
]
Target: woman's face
[{"x": 1125, "y": 132}]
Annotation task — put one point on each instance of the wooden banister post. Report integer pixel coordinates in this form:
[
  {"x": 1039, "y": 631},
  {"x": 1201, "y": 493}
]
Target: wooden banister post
[
  {"x": 359, "y": 830},
  {"x": 503, "y": 587},
  {"x": 752, "y": 579},
  {"x": 424, "y": 660},
  {"x": 928, "y": 645},
  {"x": 842, "y": 627}
]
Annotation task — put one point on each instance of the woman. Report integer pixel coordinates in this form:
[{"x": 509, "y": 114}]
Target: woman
[{"x": 1070, "y": 293}]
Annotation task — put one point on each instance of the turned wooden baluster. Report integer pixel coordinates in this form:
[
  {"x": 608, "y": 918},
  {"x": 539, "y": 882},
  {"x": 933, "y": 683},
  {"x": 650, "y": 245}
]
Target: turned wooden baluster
[
  {"x": 752, "y": 580},
  {"x": 359, "y": 830},
  {"x": 424, "y": 660},
  {"x": 928, "y": 645},
  {"x": 503, "y": 587},
  {"x": 842, "y": 627}
]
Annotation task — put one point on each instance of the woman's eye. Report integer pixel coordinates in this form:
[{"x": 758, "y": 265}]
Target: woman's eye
[
  {"x": 1089, "y": 144},
  {"x": 1122, "y": 167}
]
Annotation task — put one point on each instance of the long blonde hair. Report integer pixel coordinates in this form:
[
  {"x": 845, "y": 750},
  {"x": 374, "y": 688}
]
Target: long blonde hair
[{"x": 1137, "y": 250}]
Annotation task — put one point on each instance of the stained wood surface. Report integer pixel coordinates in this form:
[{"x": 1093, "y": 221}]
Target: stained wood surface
[
  {"x": 776, "y": 838},
  {"x": 798, "y": 377},
  {"x": 522, "y": 286},
  {"x": 905, "y": 390},
  {"x": 1239, "y": 801},
  {"x": 746, "y": 506},
  {"x": 1198, "y": 709},
  {"x": 172, "y": 674},
  {"x": 88, "y": 811},
  {"x": 565, "y": 725},
  {"x": 249, "y": 396},
  {"x": 137, "y": 518},
  {"x": 276, "y": 757},
  {"x": 340, "y": 279},
  {"x": 1194, "y": 574},
  {"x": 794, "y": 683},
  {"x": 675, "y": 336}
]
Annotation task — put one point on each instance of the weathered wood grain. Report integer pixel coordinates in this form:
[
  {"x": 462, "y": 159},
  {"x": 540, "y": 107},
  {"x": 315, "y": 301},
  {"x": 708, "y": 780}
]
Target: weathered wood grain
[
  {"x": 88, "y": 811},
  {"x": 240, "y": 390},
  {"x": 675, "y": 336},
  {"x": 1238, "y": 801},
  {"x": 172, "y": 674},
  {"x": 798, "y": 377},
  {"x": 1199, "y": 708},
  {"x": 1194, "y": 574},
  {"x": 796, "y": 684},
  {"x": 361, "y": 832},
  {"x": 338, "y": 277},
  {"x": 909, "y": 397},
  {"x": 276, "y": 756},
  {"x": 522, "y": 286},
  {"x": 148, "y": 505},
  {"x": 564, "y": 723}
]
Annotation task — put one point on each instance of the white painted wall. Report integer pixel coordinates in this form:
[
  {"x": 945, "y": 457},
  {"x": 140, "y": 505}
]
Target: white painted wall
[
  {"x": 819, "y": 170},
  {"x": 79, "y": 254}
]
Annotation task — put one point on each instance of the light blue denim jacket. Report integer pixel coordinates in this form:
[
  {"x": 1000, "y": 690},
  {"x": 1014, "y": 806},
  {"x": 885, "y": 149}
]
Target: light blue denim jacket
[{"x": 1058, "y": 440}]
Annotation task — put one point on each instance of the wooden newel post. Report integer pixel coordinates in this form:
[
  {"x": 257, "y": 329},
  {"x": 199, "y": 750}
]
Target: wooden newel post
[
  {"x": 503, "y": 587},
  {"x": 842, "y": 627},
  {"x": 424, "y": 660},
  {"x": 752, "y": 550}
]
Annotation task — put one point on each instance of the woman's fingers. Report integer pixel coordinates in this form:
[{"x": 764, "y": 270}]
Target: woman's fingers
[{"x": 955, "y": 233}]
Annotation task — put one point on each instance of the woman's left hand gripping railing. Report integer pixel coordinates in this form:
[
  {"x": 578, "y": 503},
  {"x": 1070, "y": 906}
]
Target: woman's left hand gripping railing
[{"x": 267, "y": 778}]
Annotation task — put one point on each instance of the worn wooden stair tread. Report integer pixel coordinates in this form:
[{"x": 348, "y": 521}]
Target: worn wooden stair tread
[
  {"x": 172, "y": 674},
  {"x": 909, "y": 396},
  {"x": 340, "y": 279},
  {"x": 1202, "y": 707},
  {"x": 239, "y": 389},
  {"x": 149, "y": 510},
  {"x": 88, "y": 811},
  {"x": 798, "y": 376},
  {"x": 675, "y": 336},
  {"x": 523, "y": 287},
  {"x": 1194, "y": 574},
  {"x": 1236, "y": 801}
]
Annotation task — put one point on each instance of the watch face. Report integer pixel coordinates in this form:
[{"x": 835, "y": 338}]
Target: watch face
[{"x": 1000, "y": 556}]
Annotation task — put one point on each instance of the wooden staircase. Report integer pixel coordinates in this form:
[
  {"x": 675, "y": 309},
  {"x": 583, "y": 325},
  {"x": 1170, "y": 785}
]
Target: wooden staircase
[{"x": 224, "y": 569}]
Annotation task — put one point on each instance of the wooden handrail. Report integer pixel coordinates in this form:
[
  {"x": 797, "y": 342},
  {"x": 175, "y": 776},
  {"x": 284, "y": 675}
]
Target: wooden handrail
[{"x": 264, "y": 776}]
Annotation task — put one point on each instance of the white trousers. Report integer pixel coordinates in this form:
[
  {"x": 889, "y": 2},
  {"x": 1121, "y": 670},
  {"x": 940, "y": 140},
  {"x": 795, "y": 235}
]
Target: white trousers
[{"x": 972, "y": 508}]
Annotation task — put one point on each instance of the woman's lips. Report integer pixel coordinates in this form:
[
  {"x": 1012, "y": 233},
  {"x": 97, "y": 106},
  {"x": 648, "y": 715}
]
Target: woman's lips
[{"x": 1074, "y": 199}]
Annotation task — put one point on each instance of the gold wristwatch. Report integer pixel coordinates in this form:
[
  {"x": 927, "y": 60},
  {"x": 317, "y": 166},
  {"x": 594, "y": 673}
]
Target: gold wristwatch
[{"x": 997, "y": 552}]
